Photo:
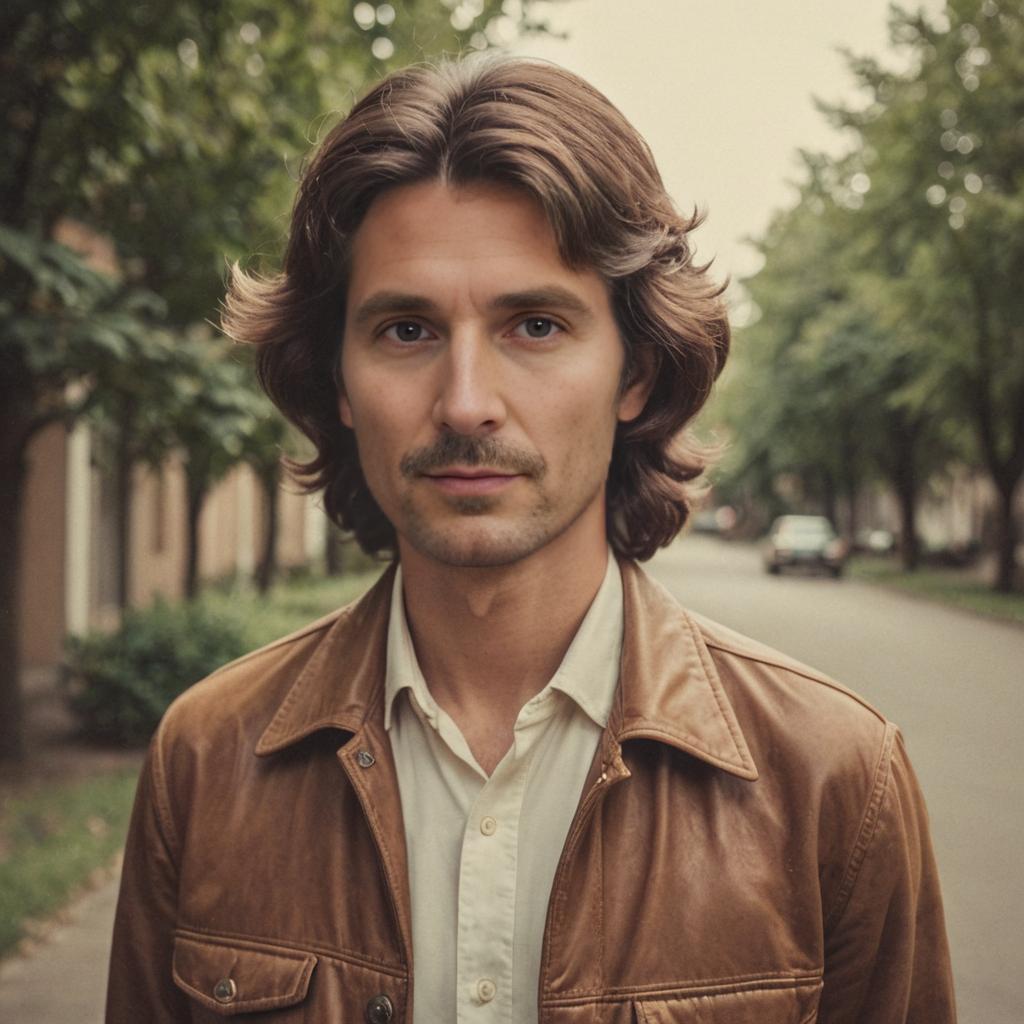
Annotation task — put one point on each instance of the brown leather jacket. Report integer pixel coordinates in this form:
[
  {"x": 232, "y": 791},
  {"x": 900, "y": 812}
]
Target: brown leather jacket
[{"x": 751, "y": 846}]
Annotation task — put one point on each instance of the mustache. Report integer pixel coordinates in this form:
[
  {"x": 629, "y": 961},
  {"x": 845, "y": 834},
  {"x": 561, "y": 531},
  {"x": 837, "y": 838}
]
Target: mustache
[{"x": 463, "y": 450}]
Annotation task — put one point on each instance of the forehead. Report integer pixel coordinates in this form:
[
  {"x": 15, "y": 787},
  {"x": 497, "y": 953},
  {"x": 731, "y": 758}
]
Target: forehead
[{"x": 433, "y": 233}]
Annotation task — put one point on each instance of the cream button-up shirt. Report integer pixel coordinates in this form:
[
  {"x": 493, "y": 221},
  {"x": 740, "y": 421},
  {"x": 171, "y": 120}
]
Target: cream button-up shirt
[{"x": 482, "y": 851}]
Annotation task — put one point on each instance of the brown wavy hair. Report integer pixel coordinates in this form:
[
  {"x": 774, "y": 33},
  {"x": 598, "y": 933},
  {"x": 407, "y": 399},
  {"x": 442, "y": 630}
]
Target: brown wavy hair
[{"x": 541, "y": 129}]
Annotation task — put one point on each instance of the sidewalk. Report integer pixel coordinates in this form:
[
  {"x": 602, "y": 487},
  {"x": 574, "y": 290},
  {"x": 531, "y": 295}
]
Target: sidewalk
[{"x": 64, "y": 979}]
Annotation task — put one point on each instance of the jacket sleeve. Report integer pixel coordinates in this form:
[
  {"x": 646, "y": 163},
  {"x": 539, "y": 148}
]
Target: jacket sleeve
[
  {"x": 140, "y": 986},
  {"x": 886, "y": 955}
]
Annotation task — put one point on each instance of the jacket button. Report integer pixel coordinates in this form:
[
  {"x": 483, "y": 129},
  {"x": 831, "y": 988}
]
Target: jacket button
[
  {"x": 225, "y": 990},
  {"x": 365, "y": 759},
  {"x": 379, "y": 1010}
]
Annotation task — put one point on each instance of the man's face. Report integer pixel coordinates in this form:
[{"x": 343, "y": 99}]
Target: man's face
[{"x": 480, "y": 375}]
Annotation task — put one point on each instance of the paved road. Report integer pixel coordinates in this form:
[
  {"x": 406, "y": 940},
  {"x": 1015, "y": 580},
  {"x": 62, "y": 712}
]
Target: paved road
[
  {"x": 65, "y": 980},
  {"x": 954, "y": 683}
]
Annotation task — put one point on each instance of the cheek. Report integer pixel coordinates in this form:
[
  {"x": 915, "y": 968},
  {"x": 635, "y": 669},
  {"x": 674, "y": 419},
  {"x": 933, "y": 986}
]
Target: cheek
[{"x": 581, "y": 431}]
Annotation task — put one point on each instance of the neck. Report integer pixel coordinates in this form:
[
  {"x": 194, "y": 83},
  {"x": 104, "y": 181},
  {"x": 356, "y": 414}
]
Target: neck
[{"x": 489, "y": 639}]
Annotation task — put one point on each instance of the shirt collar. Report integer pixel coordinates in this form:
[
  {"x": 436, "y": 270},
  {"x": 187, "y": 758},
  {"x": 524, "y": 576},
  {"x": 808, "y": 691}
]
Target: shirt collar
[
  {"x": 669, "y": 688},
  {"x": 587, "y": 675}
]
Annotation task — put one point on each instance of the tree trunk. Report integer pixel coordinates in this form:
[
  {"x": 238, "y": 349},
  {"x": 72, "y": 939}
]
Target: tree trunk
[
  {"x": 267, "y": 568},
  {"x": 850, "y": 480},
  {"x": 1006, "y": 538},
  {"x": 910, "y": 549},
  {"x": 850, "y": 491},
  {"x": 828, "y": 496},
  {"x": 123, "y": 466},
  {"x": 1004, "y": 467},
  {"x": 899, "y": 463},
  {"x": 12, "y": 494},
  {"x": 905, "y": 483},
  {"x": 195, "y": 497},
  {"x": 17, "y": 424}
]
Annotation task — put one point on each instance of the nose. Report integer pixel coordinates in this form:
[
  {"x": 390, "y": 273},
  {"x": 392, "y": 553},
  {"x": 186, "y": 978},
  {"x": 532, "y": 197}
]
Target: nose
[{"x": 469, "y": 398}]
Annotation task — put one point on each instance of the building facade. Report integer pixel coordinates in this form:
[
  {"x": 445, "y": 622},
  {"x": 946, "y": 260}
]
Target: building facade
[{"x": 70, "y": 549}]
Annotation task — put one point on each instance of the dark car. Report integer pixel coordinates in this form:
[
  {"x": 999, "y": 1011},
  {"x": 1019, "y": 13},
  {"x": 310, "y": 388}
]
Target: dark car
[{"x": 804, "y": 541}]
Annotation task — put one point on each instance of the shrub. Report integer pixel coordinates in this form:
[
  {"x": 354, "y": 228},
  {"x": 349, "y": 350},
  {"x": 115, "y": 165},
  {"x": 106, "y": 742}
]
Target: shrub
[{"x": 121, "y": 683}]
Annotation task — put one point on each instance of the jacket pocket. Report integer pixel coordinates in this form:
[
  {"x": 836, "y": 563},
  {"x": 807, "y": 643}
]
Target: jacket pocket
[
  {"x": 228, "y": 976},
  {"x": 786, "y": 1001}
]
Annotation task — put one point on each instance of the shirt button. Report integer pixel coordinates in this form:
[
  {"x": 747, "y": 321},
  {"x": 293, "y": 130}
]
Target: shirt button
[
  {"x": 225, "y": 990},
  {"x": 486, "y": 990},
  {"x": 379, "y": 1010},
  {"x": 488, "y": 826}
]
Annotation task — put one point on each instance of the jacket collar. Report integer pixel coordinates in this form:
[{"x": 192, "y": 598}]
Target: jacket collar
[
  {"x": 669, "y": 690},
  {"x": 343, "y": 680}
]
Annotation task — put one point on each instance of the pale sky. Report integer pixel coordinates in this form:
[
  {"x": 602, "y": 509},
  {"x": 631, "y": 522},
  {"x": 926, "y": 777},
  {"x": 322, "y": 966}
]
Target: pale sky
[{"x": 723, "y": 92}]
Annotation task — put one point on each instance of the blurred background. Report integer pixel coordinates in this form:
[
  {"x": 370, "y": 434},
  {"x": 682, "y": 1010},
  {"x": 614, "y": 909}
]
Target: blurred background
[{"x": 862, "y": 168}]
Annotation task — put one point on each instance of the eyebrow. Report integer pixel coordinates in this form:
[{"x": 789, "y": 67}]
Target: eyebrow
[{"x": 545, "y": 297}]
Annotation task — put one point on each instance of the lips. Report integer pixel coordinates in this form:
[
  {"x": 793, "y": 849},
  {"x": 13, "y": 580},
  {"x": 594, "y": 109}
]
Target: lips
[
  {"x": 474, "y": 473},
  {"x": 474, "y": 480}
]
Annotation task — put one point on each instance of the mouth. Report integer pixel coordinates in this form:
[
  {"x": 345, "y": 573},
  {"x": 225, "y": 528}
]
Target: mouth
[{"x": 471, "y": 480}]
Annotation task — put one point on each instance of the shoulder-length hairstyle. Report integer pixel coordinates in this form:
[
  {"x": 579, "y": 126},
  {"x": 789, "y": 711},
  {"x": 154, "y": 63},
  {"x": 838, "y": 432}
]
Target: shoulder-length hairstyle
[{"x": 541, "y": 129}]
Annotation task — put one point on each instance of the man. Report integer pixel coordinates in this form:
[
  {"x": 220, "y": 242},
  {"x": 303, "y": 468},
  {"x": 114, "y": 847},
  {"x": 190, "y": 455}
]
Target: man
[{"x": 515, "y": 781}]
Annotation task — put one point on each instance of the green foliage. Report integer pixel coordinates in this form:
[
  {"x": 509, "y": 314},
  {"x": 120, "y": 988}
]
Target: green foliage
[
  {"x": 175, "y": 130},
  {"x": 122, "y": 682},
  {"x": 213, "y": 413},
  {"x": 64, "y": 327},
  {"x": 52, "y": 839},
  {"x": 943, "y": 147},
  {"x": 188, "y": 119},
  {"x": 889, "y": 337},
  {"x": 169, "y": 135},
  {"x": 291, "y": 605}
]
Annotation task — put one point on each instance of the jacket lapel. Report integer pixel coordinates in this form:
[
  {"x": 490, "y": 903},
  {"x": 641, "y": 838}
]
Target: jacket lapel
[
  {"x": 342, "y": 687},
  {"x": 342, "y": 683},
  {"x": 669, "y": 689}
]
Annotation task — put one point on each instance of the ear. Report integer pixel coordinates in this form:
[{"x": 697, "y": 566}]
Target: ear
[
  {"x": 639, "y": 385},
  {"x": 344, "y": 408},
  {"x": 344, "y": 405}
]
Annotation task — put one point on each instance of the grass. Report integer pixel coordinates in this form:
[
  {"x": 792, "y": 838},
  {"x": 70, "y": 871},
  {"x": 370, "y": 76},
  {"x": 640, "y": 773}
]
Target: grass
[
  {"x": 289, "y": 606},
  {"x": 55, "y": 834},
  {"x": 52, "y": 838},
  {"x": 957, "y": 588}
]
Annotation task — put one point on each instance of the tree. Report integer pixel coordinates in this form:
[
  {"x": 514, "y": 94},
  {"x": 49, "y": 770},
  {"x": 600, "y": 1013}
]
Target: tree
[
  {"x": 903, "y": 309},
  {"x": 168, "y": 127},
  {"x": 828, "y": 385},
  {"x": 210, "y": 416},
  {"x": 265, "y": 446},
  {"x": 63, "y": 329},
  {"x": 943, "y": 145},
  {"x": 189, "y": 118}
]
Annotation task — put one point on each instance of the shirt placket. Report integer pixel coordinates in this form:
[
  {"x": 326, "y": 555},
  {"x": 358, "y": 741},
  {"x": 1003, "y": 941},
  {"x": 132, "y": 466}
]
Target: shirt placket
[{"x": 488, "y": 871}]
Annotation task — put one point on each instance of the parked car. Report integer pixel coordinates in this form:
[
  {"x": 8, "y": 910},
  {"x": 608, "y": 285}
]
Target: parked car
[
  {"x": 804, "y": 542},
  {"x": 875, "y": 541}
]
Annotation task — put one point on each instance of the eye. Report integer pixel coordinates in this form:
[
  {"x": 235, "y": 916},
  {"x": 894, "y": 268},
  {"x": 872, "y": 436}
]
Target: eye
[
  {"x": 537, "y": 327},
  {"x": 406, "y": 332}
]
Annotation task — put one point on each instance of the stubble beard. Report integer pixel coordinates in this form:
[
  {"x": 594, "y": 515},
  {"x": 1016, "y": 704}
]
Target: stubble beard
[
  {"x": 473, "y": 531},
  {"x": 466, "y": 533},
  {"x": 471, "y": 534}
]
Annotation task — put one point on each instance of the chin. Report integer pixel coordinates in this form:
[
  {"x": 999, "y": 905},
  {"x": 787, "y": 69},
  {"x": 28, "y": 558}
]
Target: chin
[
  {"x": 477, "y": 536},
  {"x": 474, "y": 544},
  {"x": 475, "y": 552}
]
